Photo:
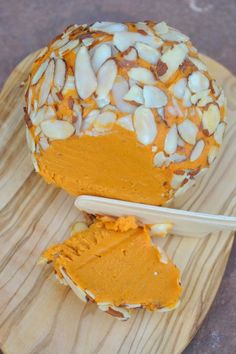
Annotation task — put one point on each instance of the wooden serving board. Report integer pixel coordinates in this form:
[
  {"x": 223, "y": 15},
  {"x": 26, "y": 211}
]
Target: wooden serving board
[{"x": 38, "y": 315}]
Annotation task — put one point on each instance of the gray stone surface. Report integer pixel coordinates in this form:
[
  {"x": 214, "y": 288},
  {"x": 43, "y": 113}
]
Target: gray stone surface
[{"x": 26, "y": 25}]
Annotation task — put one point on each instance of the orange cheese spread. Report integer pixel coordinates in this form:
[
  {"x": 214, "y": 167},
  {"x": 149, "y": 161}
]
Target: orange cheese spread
[
  {"x": 116, "y": 261},
  {"x": 114, "y": 165}
]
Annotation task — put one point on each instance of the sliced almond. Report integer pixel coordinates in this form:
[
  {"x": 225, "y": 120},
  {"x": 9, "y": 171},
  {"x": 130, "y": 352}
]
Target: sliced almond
[
  {"x": 104, "y": 121},
  {"x": 37, "y": 149},
  {"x": 187, "y": 98},
  {"x": 88, "y": 121},
  {"x": 188, "y": 131},
  {"x": 184, "y": 188},
  {"x": 124, "y": 40},
  {"x": 42, "y": 53},
  {"x": 44, "y": 143},
  {"x": 161, "y": 28},
  {"x": 68, "y": 46},
  {"x": 154, "y": 97},
  {"x": 170, "y": 145},
  {"x": 179, "y": 88},
  {"x": 213, "y": 152},
  {"x": 219, "y": 133},
  {"x": 56, "y": 95},
  {"x": 198, "y": 82},
  {"x": 161, "y": 113},
  {"x": 211, "y": 118},
  {"x": 42, "y": 114},
  {"x": 216, "y": 88},
  {"x": 78, "y": 227},
  {"x": 39, "y": 73},
  {"x": 150, "y": 54},
  {"x": 118, "y": 312},
  {"x": 144, "y": 27},
  {"x": 163, "y": 257},
  {"x": 106, "y": 77},
  {"x": 91, "y": 295},
  {"x": 60, "y": 42},
  {"x": 145, "y": 125},
  {"x": 108, "y": 27},
  {"x": 100, "y": 55},
  {"x": 76, "y": 289},
  {"x": 35, "y": 105},
  {"x": 199, "y": 112},
  {"x": 221, "y": 100},
  {"x": 201, "y": 173},
  {"x": 160, "y": 230},
  {"x": 199, "y": 95},
  {"x": 135, "y": 94},
  {"x": 29, "y": 100},
  {"x": 204, "y": 101},
  {"x": 109, "y": 107},
  {"x": 50, "y": 99},
  {"x": 133, "y": 306},
  {"x": 47, "y": 83},
  {"x": 126, "y": 122},
  {"x": 49, "y": 113},
  {"x": 179, "y": 112},
  {"x": 103, "y": 101},
  {"x": 85, "y": 79},
  {"x": 174, "y": 36},
  {"x": 197, "y": 150},
  {"x": 30, "y": 140},
  {"x": 160, "y": 159},
  {"x": 71, "y": 29},
  {"x": 176, "y": 158},
  {"x": 35, "y": 163},
  {"x": 57, "y": 129},
  {"x": 38, "y": 117},
  {"x": 131, "y": 56},
  {"x": 88, "y": 41},
  {"x": 177, "y": 180},
  {"x": 173, "y": 58},
  {"x": 69, "y": 84},
  {"x": 37, "y": 131},
  {"x": 119, "y": 90},
  {"x": 198, "y": 63},
  {"x": 78, "y": 114},
  {"x": 180, "y": 142},
  {"x": 142, "y": 75},
  {"x": 60, "y": 74}
]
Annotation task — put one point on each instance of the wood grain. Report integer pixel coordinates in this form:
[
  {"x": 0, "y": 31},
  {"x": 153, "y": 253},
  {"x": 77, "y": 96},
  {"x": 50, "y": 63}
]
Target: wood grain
[{"x": 37, "y": 315}]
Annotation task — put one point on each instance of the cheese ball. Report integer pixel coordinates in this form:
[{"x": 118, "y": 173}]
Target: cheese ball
[{"x": 123, "y": 110}]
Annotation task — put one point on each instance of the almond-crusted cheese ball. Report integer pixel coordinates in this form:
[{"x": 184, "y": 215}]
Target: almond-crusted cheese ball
[{"x": 123, "y": 110}]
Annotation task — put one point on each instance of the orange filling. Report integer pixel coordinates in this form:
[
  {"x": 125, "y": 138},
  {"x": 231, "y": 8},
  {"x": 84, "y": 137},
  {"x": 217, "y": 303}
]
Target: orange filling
[
  {"x": 116, "y": 261},
  {"x": 114, "y": 165}
]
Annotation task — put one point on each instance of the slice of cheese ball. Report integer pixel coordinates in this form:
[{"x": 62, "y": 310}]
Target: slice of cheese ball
[
  {"x": 114, "y": 264},
  {"x": 123, "y": 110}
]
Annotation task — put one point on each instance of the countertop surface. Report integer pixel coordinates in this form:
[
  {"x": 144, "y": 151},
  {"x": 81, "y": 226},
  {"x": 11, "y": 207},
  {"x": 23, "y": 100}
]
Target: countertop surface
[{"x": 26, "y": 25}]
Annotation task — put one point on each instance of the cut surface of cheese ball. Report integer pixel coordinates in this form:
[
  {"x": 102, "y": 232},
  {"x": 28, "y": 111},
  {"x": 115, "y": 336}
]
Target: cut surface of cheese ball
[
  {"x": 114, "y": 264},
  {"x": 123, "y": 110}
]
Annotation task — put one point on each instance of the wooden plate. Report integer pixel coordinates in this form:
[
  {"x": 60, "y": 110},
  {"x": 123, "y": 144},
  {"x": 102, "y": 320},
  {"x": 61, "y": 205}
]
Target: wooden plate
[{"x": 38, "y": 315}]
